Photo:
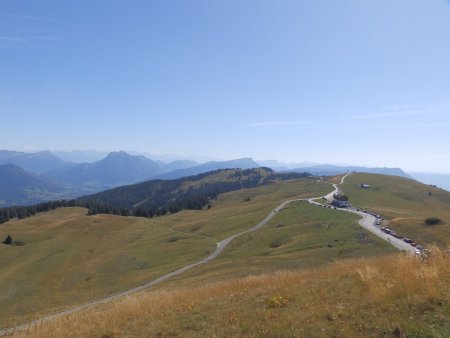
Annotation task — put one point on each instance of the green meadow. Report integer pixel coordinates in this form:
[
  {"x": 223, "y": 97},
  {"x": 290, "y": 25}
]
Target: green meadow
[{"x": 66, "y": 258}]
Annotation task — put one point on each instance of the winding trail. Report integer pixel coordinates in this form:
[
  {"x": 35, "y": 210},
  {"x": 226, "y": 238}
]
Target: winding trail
[
  {"x": 220, "y": 247},
  {"x": 367, "y": 222}
]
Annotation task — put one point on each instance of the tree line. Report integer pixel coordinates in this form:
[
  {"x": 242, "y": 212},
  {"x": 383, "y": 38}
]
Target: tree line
[{"x": 157, "y": 197}]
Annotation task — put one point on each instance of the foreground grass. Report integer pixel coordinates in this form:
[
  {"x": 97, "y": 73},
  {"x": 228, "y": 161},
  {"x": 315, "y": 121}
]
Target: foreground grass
[
  {"x": 69, "y": 258},
  {"x": 402, "y": 296},
  {"x": 405, "y": 203}
]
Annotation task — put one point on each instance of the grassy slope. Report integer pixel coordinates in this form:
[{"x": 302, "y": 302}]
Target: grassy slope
[
  {"x": 300, "y": 237},
  {"x": 373, "y": 297},
  {"x": 406, "y": 203},
  {"x": 69, "y": 258},
  {"x": 392, "y": 296}
]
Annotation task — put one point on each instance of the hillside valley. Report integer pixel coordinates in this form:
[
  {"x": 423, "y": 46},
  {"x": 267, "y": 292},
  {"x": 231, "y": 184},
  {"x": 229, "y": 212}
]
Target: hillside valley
[
  {"x": 108, "y": 253},
  {"x": 112, "y": 253},
  {"x": 18, "y": 187}
]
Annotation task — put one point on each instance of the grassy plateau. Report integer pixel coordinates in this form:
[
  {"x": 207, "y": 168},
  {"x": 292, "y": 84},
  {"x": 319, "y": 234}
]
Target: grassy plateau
[{"x": 405, "y": 203}]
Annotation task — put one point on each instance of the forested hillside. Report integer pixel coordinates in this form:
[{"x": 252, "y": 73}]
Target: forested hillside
[{"x": 159, "y": 197}]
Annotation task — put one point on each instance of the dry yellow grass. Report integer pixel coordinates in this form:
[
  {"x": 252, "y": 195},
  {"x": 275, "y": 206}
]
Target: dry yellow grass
[{"x": 393, "y": 296}]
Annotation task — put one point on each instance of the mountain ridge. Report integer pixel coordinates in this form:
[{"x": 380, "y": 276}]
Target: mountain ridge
[
  {"x": 19, "y": 187},
  {"x": 38, "y": 163},
  {"x": 330, "y": 170},
  {"x": 242, "y": 163},
  {"x": 117, "y": 168}
]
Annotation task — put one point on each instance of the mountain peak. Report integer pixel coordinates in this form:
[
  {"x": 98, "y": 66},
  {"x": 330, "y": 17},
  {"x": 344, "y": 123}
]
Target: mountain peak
[
  {"x": 11, "y": 168},
  {"x": 119, "y": 153}
]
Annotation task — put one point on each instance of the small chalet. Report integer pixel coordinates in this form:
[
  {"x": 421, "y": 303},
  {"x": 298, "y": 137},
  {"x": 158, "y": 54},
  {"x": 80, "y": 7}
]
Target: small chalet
[{"x": 340, "y": 201}]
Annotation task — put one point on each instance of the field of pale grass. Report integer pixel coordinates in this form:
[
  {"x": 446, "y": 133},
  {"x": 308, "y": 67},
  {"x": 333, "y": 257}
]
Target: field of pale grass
[{"x": 393, "y": 296}]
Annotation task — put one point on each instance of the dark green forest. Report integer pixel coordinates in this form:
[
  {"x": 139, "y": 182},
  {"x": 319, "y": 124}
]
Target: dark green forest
[{"x": 158, "y": 197}]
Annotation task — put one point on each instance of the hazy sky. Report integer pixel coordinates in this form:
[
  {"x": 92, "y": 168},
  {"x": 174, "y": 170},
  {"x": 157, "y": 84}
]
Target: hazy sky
[{"x": 362, "y": 82}]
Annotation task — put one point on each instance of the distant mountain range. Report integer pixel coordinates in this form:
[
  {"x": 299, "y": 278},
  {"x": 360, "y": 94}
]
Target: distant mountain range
[
  {"x": 329, "y": 170},
  {"x": 43, "y": 175},
  {"x": 81, "y": 156},
  {"x": 243, "y": 163},
  {"x": 18, "y": 187},
  {"x": 121, "y": 168},
  {"x": 284, "y": 166},
  {"x": 89, "y": 156},
  {"x": 117, "y": 168},
  {"x": 48, "y": 177},
  {"x": 40, "y": 162}
]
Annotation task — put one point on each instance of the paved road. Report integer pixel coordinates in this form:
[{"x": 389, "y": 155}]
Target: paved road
[{"x": 367, "y": 222}]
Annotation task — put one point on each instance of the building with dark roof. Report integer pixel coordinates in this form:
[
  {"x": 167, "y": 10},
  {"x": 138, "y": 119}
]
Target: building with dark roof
[{"x": 340, "y": 201}]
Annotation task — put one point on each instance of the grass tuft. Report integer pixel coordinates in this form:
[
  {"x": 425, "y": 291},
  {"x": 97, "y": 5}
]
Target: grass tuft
[{"x": 277, "y": 301}]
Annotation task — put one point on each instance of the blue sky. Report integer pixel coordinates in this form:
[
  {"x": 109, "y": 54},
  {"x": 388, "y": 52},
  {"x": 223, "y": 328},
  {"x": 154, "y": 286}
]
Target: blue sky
[{"x": 350, "y": 81}]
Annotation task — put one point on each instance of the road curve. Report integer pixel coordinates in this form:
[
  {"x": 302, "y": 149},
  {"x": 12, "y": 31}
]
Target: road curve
[{"x": 367, "y": 221}]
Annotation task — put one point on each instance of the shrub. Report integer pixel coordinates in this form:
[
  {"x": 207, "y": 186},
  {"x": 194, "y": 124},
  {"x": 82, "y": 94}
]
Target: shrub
[
  {"x": 8, "y": 240},
  {"x": 277, "y": 301},
  {"x": 433, "y": 221},
  {"x": 278, "y": 242}
]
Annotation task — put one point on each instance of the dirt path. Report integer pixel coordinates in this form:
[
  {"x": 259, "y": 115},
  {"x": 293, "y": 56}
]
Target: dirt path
[{"x": 220, "y": 247}]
